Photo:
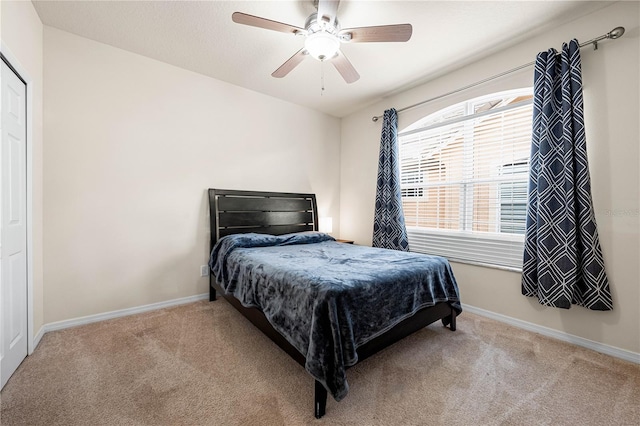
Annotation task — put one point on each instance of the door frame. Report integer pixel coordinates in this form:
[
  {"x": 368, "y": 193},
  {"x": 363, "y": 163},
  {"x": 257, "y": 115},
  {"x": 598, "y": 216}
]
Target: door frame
[{"x": 16, "y": 66}]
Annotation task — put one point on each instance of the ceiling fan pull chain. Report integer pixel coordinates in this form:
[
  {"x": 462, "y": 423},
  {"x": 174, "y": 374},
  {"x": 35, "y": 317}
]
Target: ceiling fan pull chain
[{"x": 321, "y": 78}]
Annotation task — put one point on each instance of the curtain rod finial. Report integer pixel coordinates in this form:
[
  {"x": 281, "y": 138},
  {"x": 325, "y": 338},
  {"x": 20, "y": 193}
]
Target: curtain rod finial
[{"x": 615, "y": 33}]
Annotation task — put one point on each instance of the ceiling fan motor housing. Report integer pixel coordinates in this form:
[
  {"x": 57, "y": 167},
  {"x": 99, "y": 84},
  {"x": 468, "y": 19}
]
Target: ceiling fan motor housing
[{"x": 312, "y": 25}]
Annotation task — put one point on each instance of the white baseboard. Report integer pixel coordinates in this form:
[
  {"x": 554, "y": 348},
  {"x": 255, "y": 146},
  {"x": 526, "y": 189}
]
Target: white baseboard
[
  {"x": 37, "y": 338},
  {"x": 74, "y": 322},
  {"x": 565, "y": 337}
]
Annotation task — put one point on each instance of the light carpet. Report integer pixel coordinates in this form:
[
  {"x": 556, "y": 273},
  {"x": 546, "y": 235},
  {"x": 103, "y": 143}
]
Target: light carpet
[{"x": 205, "y": 364}]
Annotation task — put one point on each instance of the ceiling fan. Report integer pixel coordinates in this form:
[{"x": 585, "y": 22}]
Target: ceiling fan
[{"x": 323, "y": 37}]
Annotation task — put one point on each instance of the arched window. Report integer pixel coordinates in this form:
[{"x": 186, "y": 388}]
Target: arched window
[{"x": 464, "y": 177}]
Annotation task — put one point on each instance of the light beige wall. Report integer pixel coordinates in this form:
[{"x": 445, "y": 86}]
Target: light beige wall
[
  {"x": 611, "y": 96},
  {"x": 132, "y": 144},
  {"x": 21, "y": 33}
]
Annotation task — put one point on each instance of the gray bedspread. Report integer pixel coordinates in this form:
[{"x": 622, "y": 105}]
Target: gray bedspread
[{"x": 328, "y": 298}]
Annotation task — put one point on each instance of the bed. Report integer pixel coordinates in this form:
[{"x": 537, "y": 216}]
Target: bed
[{"x": 327, "y": 304}]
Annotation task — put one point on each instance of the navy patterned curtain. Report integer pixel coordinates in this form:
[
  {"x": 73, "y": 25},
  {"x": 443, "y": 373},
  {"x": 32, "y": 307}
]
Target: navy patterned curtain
[
  {"x": 563, "y": 262},
  {"x": 389, "y": 230}
]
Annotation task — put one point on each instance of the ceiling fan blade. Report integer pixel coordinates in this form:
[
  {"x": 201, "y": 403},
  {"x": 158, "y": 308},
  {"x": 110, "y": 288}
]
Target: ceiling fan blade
[
  {"x": 256, "y": 21},
  {"x": 290, "y": 64},
  {"x": 327, "y": 10},
  {"x": 344, "y": 67},
  {"x": 382, "y": 33}
]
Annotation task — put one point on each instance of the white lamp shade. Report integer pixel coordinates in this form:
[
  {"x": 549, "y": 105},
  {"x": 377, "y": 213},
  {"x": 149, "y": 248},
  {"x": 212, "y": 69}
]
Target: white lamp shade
[
  {"x": 325, "y": 224},
  {"x": 322, "y": 45}
]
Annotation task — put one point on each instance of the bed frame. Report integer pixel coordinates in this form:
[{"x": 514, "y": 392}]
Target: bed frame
[{"x": 277, "y": 213}]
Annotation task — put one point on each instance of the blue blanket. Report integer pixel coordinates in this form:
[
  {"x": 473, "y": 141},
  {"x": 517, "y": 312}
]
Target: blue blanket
[{"x": 328, "y": 298}]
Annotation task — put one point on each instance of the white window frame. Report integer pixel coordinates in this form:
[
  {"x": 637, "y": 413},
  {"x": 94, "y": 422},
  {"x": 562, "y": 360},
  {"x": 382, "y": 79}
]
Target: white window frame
[{"x": 494, "y": 249}]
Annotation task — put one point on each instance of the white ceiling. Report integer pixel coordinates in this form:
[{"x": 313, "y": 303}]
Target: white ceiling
[{"x": 200, "y": 36}]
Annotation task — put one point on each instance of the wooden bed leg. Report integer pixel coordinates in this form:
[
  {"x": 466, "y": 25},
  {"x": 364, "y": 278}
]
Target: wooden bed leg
[
  {"x": 450, "y": 320},
  {"x": 212, "y": 293},
  {"x": 452, "y": 326},
  {"x": 320, "y": 400}
]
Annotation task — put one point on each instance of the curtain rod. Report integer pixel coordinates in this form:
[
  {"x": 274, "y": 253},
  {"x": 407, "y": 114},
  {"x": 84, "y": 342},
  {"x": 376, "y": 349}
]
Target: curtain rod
[{"x": 613, "y": 34}]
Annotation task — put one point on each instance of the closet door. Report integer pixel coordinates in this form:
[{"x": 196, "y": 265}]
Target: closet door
[{"x": 13, "y": 228}]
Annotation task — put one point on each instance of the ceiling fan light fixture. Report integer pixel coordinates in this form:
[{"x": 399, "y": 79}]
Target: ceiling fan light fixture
[
  {"x": 324, "y": 35},
  {"x": 322, "y": 45}
]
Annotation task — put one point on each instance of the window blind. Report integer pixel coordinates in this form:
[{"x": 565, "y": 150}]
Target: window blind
[{"x": 464, "y": 178}]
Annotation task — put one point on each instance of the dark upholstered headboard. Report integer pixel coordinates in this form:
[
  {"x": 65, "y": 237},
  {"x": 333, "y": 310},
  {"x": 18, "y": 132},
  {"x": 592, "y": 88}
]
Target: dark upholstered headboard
[{"x": 276, "y": 213}]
